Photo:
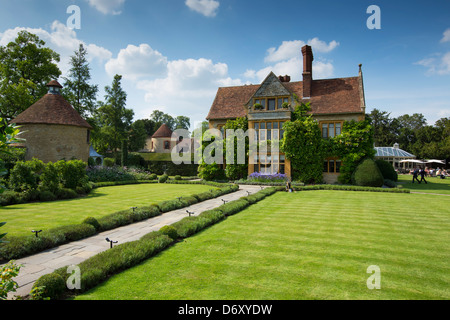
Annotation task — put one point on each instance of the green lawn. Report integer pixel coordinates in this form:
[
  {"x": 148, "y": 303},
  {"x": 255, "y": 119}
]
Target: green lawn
[
  {"x": 23, "y": 218},
  {"x": 433, "y": 185},
  {"x": 305, "y": 245}
]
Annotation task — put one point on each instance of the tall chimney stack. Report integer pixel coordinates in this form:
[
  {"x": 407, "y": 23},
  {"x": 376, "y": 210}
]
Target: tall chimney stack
[{"x": 308, "y": 59}]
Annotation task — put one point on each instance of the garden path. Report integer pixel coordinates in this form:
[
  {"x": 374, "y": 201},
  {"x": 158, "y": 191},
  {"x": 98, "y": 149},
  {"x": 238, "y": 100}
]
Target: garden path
[{"x": 76, "y": 252}]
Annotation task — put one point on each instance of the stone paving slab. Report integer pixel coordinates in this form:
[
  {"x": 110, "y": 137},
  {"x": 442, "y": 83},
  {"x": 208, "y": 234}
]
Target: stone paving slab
[{"x": 76, "y": 252}]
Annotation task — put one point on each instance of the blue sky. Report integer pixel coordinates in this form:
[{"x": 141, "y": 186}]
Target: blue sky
[{"x": 174, "y": 54}]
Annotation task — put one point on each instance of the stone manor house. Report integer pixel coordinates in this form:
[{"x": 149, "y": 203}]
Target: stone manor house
[{"x": 269, "y": 104}]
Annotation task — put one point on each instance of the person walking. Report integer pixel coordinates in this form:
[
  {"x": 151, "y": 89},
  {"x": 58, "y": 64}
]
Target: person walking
[
  {"x": 422, "y": 176},
  {"x": 415, "y": 175}
]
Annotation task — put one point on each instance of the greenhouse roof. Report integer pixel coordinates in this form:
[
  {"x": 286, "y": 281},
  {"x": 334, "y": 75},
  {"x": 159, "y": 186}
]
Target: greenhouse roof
[{"x": 392, "y": 152}]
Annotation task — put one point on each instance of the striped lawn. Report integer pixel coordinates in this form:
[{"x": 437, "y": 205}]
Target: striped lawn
[
  {"x": 305, "y": 245},
  {"x": 23, "y": 218}
]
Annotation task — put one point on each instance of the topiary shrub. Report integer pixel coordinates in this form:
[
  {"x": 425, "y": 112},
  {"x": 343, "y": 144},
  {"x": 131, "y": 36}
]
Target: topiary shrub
[
  {"x": 390, "y": 183},
  {"x": 93, "y": 222},
  {"x": 109, "y": 162},
  {"x": 387, "y": 170},
  {"x": 177, "y": 178},
  {"x": 47, "y": 196},
  {"x": 53, "y": 285},
  {"x": 163, "y": 178},
  {"x": 170, "y": 231},
  {"x": 65, "y": 193},
  {"x": 367, "y": 174}
]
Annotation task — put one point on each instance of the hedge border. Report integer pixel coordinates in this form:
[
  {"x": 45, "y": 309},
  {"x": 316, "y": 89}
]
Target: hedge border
[
  {"x": 102, "y": 266},
  {"x": 22, "y": 246}
]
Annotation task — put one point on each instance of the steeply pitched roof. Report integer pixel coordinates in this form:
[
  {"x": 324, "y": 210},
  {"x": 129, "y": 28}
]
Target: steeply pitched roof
[
  {"x": 51, "y": 109},
  {"x": 163, "y": 132},
  {"x": 341, "y": 95},
  {"x": 229, "y": 102}
]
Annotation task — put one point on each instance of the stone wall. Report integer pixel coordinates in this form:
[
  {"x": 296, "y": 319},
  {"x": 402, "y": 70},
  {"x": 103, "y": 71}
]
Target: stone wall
[{"x": 51, "y": 143}]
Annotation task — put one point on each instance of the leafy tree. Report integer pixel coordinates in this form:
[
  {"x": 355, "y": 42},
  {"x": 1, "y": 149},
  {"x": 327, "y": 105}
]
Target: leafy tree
[
  {"x": 26, "y": 66},
  {"x": 138, "y": 136},
  {"x": 182, "y": 122},
  {"x": 77, "y": 90},
  {"x": 207, "y": 170},
  {"x": 202, "y": 127},
  {"x": 160, "y": 118},
  {"x": 236, "y": 170},
  {"x": 8, "y": 135},
  {"x": 384, "y": 128},
  {"x": 352, "y": 146},
  {"x": 149, "y": 126},
  {"x": 114, "y": 119}
]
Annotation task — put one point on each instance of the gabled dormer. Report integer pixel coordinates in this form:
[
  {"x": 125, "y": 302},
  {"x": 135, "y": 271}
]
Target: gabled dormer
[{"x": 271, "y": 100}]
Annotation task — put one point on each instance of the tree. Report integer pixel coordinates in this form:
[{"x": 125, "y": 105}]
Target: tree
[
  {"x": 77, "y": 90},
  {"x": 182, "y": 122},
  {"x": 352, "y": 146},
  {"x": 384, "y": 128},
  {"x": 8, "y": 135},
  {"x": 114, "y": 119},
  {"x": 149, "y": 126},
  {"x": 160, "y": 118},
  {"x": 138, "y": 136},
  {"x": 236, "y": 170},
  {"x": 26, "y": 66}
]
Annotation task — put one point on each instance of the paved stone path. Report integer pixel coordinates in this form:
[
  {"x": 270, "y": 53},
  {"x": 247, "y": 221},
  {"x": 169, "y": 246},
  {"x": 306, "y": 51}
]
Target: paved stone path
[{"x": 76, "y": 252}]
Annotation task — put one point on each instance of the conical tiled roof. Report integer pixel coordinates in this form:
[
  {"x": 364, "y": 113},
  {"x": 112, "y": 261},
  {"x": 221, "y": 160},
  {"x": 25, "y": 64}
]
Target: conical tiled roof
[
  {"x": 52, "y": 109},
  {"x": 163, "y": 132}
]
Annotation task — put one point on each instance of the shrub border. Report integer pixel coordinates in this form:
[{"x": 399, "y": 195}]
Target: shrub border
[
  {"x": 102, "y": 266},
  {"x": 22, "y": 246}
]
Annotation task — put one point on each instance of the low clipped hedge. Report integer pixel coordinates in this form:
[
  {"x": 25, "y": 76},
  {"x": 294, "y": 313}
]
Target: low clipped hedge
[
  {"x": 21, "y": 246},
  {"x": 100, "y": 267},
  {"x": 350, "y": 188}
]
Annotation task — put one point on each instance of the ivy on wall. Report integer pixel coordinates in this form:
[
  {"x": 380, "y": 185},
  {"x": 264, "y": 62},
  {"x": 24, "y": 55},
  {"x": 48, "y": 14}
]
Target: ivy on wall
[{"x": 303, "y": 146}]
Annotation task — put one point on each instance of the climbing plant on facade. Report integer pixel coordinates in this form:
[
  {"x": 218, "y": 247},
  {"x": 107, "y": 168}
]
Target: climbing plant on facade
[{"x": 303, "y": 146}]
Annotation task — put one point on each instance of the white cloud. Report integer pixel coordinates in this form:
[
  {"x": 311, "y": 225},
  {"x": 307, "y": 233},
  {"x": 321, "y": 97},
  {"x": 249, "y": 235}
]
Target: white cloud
[
  {"x": 208, "y": 8},
  {"x": 294, "y": 68},
  {"x": 446, "y": 37},
  {"x": 291, "y": 49},
  {"x": 137, "y": 62},
  {"x": 287, "y": 59},
  {"x": 107, "y": 6},
  {"x": 188, "y": 89},
  {"x": 322, "y": 46},
  {"x": 62, "y": 40},
  {"x": 436, "y": 65}
]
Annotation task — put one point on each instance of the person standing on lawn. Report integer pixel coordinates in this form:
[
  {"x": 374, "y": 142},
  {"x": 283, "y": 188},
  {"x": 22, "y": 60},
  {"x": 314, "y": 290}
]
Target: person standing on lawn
[
  {"x": 415, "y": 175},
  {"x": 422, "y": 176}
]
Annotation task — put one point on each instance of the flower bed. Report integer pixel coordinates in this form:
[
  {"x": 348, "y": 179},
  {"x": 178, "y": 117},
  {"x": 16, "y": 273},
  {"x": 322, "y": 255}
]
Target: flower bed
[{"x": 261, "y": 177}]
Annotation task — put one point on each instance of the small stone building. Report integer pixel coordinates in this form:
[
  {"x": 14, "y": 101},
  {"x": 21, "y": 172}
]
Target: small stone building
[
  {"x": 53, "y": 130},
  {"x": 162, "y": 141}
]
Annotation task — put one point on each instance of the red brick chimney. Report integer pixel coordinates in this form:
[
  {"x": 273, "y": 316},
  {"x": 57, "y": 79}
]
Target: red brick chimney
[{"x": 308, "y": 59}]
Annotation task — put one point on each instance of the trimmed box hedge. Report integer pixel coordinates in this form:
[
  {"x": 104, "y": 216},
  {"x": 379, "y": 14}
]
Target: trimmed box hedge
[
  {"x": 100, "y": 267},
  {"x": 18, "y": 247}
]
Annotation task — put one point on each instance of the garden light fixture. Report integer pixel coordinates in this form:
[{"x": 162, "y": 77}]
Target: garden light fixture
[
  {"x": 36, "y": 232},
  {"x": 111, "y": 242}
]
